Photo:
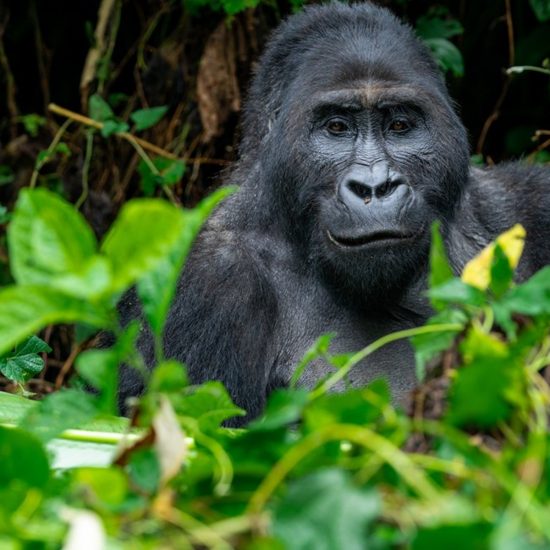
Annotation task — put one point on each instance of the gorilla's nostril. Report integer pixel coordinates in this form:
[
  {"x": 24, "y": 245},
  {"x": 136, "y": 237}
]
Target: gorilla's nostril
[
  {"x": 387, "y": 188},
  {"x": 364, "y": 192}
]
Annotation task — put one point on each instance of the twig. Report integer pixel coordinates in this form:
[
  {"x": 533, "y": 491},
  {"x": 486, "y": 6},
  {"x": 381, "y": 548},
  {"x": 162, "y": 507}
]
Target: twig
[
  {"x": 86, "y": 168},
  {"x": 148, "y": 146},
  {"x": 49, "y": 151},
  {"x": 95, "y": 53},
  {"x": 106, "y": 58}
]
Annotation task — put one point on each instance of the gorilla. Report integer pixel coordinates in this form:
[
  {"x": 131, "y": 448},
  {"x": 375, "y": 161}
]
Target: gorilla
[{"x": 351, "y": 148}]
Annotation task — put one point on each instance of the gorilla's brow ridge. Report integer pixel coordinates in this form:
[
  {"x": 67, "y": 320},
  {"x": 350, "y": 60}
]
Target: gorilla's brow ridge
[{"x": 377, "y": 95}]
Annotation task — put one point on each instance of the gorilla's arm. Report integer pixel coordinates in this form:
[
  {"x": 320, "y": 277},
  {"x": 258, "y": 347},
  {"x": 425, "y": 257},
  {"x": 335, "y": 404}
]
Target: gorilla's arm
[{"x": 221, "y": 323}]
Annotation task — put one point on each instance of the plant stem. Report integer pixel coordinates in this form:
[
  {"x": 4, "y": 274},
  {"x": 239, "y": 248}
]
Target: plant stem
[
  {"x": 375, "y": 346},
  {"x": 358, "y": 435}
]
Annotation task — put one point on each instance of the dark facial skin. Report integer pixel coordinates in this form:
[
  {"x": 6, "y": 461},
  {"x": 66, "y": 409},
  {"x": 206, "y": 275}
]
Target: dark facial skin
[{"x": 375, "y": 204}]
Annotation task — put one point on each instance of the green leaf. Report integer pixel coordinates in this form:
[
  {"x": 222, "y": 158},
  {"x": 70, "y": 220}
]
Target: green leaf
[
  {"x": 532, "y": 297},
  {"x": 502, "y": 273},
  {"x": 14, "y": 407},
  {"x": 541, "y": 9},
  {"x": 170, "y": 172},
  {"x": 232, "y": 7},
  {"x": 210, "y": 405},
  {"x": 32, "y": 123},
  {"x": 47, "y": 237},
  {"x": 111, "y": 127},
  {"x": 447, "y": 55},
  {"x": 59, "y": 411},
  {"x": 45, "y": 156},
  {"x": 145, "y": 232},
  {"x": 319, "y": 348},
  {"x": 99, "y": 109},
  {"x": 24, "y": 363},
  {"x": 440, "y": 269},
  {"x": 24, "y": 310},
  {"x": 359, "y": 406},
  {"x": 325, "y": 511},
  {"x": 455, "y": 291},
  {"x": 23, "y": 459},
  {"x": 146, "y": 118},
  {"x": 144, "y": 470},
  {"x": 476, "y": 536},
  {"x": 284, "y": 406},
  {"x": 168, "y": 377},
  {"x": 488, "y": 364},
  {"x": 156, "y": 289},
  {"x": 438, "y": 25}
]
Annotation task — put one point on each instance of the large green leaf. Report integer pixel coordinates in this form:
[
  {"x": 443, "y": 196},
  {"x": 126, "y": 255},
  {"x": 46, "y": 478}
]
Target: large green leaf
[
  {"x": 23, "y": 459},
  {"x": 144, "y": 233},
  {"x": 24, "y": 310},
  {"x": 47, "y": 237},
  {"x": 325, "y": 511},
  {"x": 156, "y": 289}
]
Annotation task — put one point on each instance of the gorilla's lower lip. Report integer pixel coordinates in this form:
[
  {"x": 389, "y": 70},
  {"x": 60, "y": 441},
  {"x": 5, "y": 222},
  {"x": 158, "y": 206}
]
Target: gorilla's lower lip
[{"x": 386, "y": 237}]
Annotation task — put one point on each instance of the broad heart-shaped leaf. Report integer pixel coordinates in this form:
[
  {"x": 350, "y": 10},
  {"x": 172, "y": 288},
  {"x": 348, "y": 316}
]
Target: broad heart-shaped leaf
[
  {"x": 145, "y": 118},
  {"x": 24, "y": 363},
  {"x": 156, "y": 289},
  {"x": 24, "y": 310},
  {"x": 145, "y": 232},
  {"x": 325, "y": 511},
  {"x": 47, "y": 237},
  {"x": 23, "y": 459}
]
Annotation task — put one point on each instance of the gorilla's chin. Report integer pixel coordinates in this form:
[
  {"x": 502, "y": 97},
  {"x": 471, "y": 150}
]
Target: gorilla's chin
[{"x": 373, "y": 267}]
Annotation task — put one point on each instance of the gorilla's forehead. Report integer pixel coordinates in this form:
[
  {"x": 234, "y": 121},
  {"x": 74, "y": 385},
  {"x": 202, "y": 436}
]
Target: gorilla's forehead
[{"x": 369, "y": 94}]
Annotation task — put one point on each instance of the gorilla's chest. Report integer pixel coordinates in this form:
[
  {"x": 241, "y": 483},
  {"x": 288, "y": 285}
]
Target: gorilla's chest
[{"x": 307, "y": 311}]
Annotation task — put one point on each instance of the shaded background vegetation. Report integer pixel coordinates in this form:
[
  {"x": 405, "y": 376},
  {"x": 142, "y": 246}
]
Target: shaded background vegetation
[{"x": 196, "y": 58}]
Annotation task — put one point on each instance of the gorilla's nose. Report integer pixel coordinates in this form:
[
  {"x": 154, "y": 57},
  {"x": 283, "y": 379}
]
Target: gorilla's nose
[{"x": 355, "y": 190}]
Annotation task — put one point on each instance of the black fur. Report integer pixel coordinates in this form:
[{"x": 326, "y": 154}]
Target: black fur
[{"x": 326, "y": 164}]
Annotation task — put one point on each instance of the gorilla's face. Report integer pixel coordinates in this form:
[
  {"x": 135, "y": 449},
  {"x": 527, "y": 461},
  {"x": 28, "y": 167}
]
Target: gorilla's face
[{"x": 375, "y": 163}]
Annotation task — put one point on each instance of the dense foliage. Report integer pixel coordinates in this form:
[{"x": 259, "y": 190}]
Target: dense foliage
[
  {"x": 464, "y": 464},
  {"x": 319, "y": 469}
]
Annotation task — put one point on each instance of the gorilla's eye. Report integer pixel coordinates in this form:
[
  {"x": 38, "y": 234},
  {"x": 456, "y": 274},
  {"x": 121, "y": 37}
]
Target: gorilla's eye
[
  {"x": 399, "y": 126},
  {"x": 337, "y": 126}
]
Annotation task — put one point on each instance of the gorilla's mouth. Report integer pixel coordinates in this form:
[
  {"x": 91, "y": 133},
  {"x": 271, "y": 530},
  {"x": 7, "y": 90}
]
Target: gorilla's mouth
[{"x": 382, "y": 237}]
